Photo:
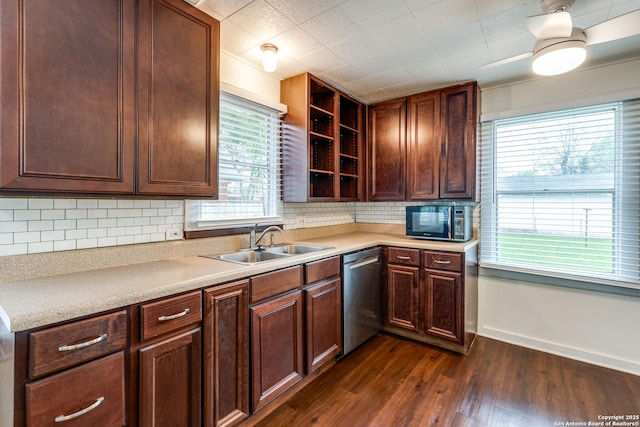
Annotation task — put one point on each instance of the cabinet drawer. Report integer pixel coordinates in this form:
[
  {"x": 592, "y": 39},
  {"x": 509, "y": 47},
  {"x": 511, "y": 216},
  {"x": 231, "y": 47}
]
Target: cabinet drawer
[
  {"x": 443, "y": 261},
  {"x": 404, "y": 256},
  {"x": 271, "y": 284},
  {"x": 169, "y": 314},
  {"x": 323, "y": 269},
  {"x": 91, "y": 394},
  {"x": 67, "y": 345}
]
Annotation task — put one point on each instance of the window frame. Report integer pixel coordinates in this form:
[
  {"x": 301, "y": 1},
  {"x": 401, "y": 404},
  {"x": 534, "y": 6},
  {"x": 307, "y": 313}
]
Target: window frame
[
  {"x": 489, "y": 260},
  {"x": 196, "y": 226}
]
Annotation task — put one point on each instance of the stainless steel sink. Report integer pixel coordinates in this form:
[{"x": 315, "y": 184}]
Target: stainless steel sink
[
  {"x": 249, "y": 256},
  {"x": 295, "y": 249}
]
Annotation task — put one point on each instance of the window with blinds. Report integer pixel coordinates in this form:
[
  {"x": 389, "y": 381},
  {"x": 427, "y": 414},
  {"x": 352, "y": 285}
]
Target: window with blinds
[
  {"x": 249, "y": 168},
  {"x": 560, "y": 193}
]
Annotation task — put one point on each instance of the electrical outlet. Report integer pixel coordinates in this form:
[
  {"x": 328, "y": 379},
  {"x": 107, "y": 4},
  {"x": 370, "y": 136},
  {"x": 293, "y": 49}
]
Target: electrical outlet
[
  {"x": 299, "y": 221},
  {"x": 174, "y": 235}
]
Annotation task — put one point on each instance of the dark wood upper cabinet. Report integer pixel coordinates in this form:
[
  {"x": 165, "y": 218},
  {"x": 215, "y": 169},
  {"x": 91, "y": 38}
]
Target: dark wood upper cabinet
[
  {"x": 387, "y": 150},
  {"x": 424, "y": 147},
  {"x": 458, "y": 117},
  {"x": 322, "y": 138},
  {"x": 178, "y": 99},
  {"x": 76, "y": 80},
  {"x": 68, "y": 96}
]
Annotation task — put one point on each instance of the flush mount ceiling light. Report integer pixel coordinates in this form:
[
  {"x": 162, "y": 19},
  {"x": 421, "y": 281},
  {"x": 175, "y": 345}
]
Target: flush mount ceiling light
[
  {"x": 269, "y": 58},
  {"x": 559, "y": 55}
]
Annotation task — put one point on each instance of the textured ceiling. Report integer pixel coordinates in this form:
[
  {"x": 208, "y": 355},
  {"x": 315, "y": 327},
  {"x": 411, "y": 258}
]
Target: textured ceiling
[{"x": 381, "y": 49}]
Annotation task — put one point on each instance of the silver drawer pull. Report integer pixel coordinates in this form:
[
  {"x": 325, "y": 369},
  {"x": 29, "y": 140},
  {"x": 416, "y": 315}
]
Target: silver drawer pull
[
  {"x": 173, "y": 316},
  {"x": 63, "y": 418},
  {"x": 404, "y": 258},
  {"x": 83, "y": 344},
  {"x": 437, "y": 261}
]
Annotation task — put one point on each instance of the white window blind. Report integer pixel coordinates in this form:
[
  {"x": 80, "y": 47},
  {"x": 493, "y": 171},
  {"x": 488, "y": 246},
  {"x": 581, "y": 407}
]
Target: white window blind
[
  {"x": 249, "y": 168},
  {"x": 560, "y": 193}
]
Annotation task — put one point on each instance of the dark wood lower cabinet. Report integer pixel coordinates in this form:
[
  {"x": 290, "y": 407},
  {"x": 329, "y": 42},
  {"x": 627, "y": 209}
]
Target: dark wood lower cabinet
[
  {"x": 226, "y": 355},
  {"x": 170, "y": 373},
  {"x": 276, "y": 347},
  {"x": 323, "y": 305},
  {"x": 443, "y": 305},
  {"x": 402, "y": 296},
  {"x": 435, "y": 299},
  {"x": 88, "y": 395}
]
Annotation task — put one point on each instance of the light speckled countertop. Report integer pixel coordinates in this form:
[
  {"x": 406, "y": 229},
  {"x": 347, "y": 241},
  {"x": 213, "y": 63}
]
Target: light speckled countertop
[{"x": 33, "y": 303}]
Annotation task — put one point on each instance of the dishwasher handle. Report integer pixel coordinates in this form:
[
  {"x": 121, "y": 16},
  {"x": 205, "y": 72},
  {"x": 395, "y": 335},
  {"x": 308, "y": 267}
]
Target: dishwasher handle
[{"x": 362, "y": 263}]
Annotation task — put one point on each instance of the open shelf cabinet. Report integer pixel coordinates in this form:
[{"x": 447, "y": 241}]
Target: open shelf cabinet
[{"x": 323, "y": 137}]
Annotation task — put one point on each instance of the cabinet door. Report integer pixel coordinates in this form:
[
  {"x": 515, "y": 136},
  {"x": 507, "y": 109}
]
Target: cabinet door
[
  {"x": 276, "y": 347},
  {"x": 324, "y": 326},
  {"x": 67, "y": 96},
  {"x": 402, "y": 297},
  {"x": 458, "y": 129},
  {"x": 226, "y": 370},
  {"x": 424, "y": 146},
  {"x": 178, "y": 99},
  {"x": 387, "y": 151},
  {"x": 443, "y": 305},
  {"x": 170, "y": 374},
  {"x": 88, "y": 395}
]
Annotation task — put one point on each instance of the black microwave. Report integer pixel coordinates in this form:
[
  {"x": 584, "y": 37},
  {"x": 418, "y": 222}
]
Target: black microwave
[{"x": 440, "y": 222}]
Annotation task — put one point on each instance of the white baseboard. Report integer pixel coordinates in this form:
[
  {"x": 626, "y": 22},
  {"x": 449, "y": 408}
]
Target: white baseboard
[{"x": 631, "y": 367}]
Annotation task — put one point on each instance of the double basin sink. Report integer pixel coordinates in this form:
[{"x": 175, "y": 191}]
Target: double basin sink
[{"x": 269, "y": 253}]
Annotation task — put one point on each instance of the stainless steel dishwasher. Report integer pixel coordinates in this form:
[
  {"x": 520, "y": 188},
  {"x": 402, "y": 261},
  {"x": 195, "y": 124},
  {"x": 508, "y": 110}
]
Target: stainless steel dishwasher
[{"x": 361, "y": 309}]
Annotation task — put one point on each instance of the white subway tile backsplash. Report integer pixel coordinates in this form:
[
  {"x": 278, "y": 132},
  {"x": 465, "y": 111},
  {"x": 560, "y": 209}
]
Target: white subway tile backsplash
[
  {"x": 52, "y": 236},
  {"x": 11, "y": 203},
  {"x": 107, "y": 204},
  {"x": 87, "y": 223},
  {"x": 6, "y": 215},
  {"x": 40, "y": 225},
  {"x": 39, "y": 247},
  {"x": 35, "y": 225},
  {"x": 28, "y": 237},
  {"x": 30, "y": 225},
  {"x": 65, "y": 203},
  {"x": 87, "y": 204},
  {"x": 26, "y": 215},
  {"x": 64, "y": 224},
  {"x": 6, "y": 239},
  {"x": 75, "y": 213},
  {"x": 64, "y": 245},
  {"x": 96, "y": 232},
  {"x": 75, "y": 234},
  {"x": 87, "y": 243},
  {"x": 13, "y": 226},
  {"x": 52, "y": 214},
  {"x": 41, "y": 204},
  {"x": 14, "y": 249}
]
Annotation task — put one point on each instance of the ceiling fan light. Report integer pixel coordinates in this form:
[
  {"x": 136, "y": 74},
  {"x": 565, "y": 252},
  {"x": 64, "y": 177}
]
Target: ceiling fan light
[
  {"x": 559, "y": 58},
  {"x": 269, "y": 57}
]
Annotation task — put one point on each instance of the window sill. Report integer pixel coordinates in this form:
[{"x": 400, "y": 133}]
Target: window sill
[
  {"x": 230, "y": 231},
  {"x": 503, "y": 272}
]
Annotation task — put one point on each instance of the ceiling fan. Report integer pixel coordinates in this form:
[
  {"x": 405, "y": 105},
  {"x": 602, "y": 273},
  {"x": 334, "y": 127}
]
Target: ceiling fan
[{"x": 561, "y": 47}]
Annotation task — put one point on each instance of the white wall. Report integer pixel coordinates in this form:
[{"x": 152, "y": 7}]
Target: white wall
[{"x": 595, "y": 327}]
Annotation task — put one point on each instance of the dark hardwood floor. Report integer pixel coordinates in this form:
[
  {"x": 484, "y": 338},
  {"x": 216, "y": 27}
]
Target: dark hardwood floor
[{"x": 390, "y": 381}]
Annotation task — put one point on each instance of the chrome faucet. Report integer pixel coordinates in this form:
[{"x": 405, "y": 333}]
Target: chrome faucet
[{"x": 253, "y": 242}]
